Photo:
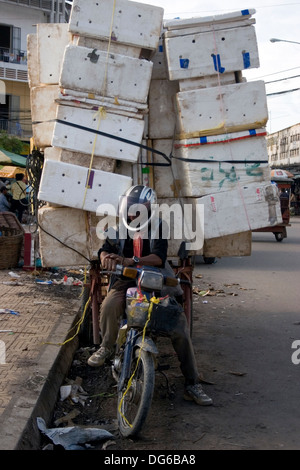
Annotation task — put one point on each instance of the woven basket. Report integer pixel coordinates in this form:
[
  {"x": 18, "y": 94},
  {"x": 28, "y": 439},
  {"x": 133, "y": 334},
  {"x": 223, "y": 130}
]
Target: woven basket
[{"x": 11, "y": 241}]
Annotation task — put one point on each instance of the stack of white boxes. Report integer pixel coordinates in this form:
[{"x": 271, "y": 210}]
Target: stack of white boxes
[
  {"x": 176, "y": 87},
  {"x": 91, "y": 74},
  {"x": 204, "y": 113}
]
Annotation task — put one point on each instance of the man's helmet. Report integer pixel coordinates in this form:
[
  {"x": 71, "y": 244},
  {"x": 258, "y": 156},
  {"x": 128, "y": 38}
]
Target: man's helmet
[{"x": 137, "y": 202}]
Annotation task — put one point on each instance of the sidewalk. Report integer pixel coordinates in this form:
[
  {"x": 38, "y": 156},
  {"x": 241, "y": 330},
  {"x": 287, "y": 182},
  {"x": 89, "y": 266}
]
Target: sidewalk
[{"x": 32, "y": 371}]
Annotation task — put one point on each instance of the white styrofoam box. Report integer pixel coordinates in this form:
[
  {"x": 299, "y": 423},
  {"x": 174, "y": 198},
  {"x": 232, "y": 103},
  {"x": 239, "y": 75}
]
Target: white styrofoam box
[
  {"x": 87, "y": 103},
  {"x": 76, "y": 186},
  {"x": 216, "y": 110},
  {"x": 32, "y": 61},
  {"x": 208, "y": 81},
  {"x": 181, "y": 222},
  {"x": 209, "y": 53},
  {"x": 85, "y": 141},
  {"x": 204, "y": 170},
  {"x": 112, "y": 75},
  {"x": 167, "y": 182},
  {"x": 111, "y": 47},
  {"x": 224, "y": 147},
  {"x": 52, "y": 39},
  {"x": 160, "y": 68},
  {"x": 247, "y": 207},
  {"x": 213, "y": 20},
  {"x": 162, "y": 109},
  {"x": 235, "y": 244},
  {"x": 82, "y": 97},
  {"x": 81, "y": 159},
  {"x": 75, "y": 229},
  {"x": 218, "y": 166},
  {"x": 43, "y": 113},
  {"x": 204, "y": 28},
  {"x": 202, "y": 179},
  {"x": 126, "y": 22}
]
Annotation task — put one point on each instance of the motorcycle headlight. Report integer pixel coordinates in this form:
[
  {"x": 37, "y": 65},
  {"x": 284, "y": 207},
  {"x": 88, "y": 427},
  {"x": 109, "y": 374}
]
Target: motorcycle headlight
[{"x": 151, "y": 280}]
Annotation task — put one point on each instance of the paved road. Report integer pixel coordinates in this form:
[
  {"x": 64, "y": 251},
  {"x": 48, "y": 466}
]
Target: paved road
[{"x": 249, "y": 328}]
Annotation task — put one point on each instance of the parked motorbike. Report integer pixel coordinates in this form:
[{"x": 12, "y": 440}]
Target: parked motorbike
[{"x": 148, "y": 315}]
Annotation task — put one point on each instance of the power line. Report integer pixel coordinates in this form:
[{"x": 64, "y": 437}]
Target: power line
[
  {"x": 282, "y": 92},
  {"x": 282, "y": 79},
  {"x": 274, "y": 73}
]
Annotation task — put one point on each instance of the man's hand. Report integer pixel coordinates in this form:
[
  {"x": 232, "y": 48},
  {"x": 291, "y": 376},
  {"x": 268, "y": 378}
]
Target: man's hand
[{"x": 109, "y": 261}]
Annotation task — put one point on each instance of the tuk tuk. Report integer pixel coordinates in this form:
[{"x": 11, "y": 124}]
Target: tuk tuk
[{"x": 284, "y": 187}]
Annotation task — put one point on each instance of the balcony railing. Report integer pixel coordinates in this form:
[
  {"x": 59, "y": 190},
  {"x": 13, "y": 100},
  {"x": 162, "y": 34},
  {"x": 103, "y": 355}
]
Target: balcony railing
[
  {"x": 16, "y": 57},
  {"x": 42, "y": 4},
  {"x": 21, "y": 129}
]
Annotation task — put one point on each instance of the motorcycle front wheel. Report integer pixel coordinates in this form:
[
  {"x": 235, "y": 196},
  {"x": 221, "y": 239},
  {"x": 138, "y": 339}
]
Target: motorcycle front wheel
[{"x": 135, "y": 399}]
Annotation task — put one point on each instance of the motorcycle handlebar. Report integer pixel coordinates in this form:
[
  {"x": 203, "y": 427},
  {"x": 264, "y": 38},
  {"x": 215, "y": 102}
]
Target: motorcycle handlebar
[{"x": 132, "y": 273}]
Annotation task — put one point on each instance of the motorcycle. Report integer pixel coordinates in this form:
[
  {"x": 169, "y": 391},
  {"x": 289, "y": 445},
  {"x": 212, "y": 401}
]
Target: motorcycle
[{"x": 148, "y": 315}]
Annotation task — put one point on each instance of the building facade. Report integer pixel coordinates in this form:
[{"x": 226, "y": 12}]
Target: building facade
[
  {"x": 18, "y": 18},
  {"x": 284, "y": 149}
]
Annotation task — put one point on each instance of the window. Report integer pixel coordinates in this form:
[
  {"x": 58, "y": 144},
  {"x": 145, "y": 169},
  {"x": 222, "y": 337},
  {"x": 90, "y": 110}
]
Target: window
[
  {"x": 10, "y": 43},
  {"x": 10, "y": 114}
]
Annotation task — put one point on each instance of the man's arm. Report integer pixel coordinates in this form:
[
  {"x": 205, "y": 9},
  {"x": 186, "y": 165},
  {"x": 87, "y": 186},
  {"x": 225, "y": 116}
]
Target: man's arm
[{"x": 110, "y": 260}]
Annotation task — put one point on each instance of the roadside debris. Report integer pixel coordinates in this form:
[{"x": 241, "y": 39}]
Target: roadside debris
[
  {"x": 71, "y": 437},
  {"x": 66, "y": 281},
  {"x": 7, "y": 310},
  {"x": 68, "y": 418},
  {"x": 74, "y": 391}
]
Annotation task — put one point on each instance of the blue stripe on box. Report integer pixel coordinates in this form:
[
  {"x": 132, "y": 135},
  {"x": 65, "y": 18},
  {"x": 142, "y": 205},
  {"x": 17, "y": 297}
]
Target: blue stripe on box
[
  {"x": 203, "y": 140},
  {"x": 90, "y": 179},
  {"x": 252, "y": 131},
  {"x": 246, "y": 59},
  {"x": 245, "y": 12},
  {"x": 184, "y": 63}
]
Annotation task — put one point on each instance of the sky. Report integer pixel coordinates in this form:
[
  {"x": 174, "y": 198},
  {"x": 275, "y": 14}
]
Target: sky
[{"x": 279, "y": 61}]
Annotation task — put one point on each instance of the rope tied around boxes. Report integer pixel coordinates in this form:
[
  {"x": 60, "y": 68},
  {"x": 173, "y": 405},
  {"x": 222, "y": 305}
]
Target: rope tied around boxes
[{"x": 121, "y": 139}]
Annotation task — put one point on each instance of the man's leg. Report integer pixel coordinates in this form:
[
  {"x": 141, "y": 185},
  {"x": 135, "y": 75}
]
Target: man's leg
[
  {"x": 111, "y": 312},
  {"x": 183, "y": 347}
]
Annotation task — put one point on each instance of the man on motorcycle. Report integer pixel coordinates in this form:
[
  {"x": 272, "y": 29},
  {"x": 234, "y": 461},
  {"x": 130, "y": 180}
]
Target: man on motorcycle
[{"x": 141, "y": 248}]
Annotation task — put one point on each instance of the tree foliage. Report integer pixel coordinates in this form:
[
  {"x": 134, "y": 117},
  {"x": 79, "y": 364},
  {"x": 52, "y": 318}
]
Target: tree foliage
[{"x": 10, "y": 143}]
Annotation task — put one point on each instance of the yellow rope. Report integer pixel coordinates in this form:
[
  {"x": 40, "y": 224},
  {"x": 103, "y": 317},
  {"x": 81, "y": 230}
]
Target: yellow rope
[
  {"x": 78, "y": 325},
  {"x": 101, "y": 113},
  {"x": 108, "y": 48}
]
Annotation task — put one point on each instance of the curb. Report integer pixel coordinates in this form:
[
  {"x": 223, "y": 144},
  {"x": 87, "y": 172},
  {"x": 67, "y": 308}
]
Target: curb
[{"x": 39, "y": 399}]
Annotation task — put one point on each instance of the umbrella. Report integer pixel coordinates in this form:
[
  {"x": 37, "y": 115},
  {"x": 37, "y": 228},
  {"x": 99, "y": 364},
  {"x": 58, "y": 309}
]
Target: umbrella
[
  {"x": 281, "y": 174},
  {"x": 9, "y": 158},
  {"x": 11, "y": 171}
]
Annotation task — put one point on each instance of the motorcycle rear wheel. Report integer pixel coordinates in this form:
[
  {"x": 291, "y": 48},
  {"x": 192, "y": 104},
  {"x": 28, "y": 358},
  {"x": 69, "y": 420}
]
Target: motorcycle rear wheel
[{"x": 134, "y": 403}]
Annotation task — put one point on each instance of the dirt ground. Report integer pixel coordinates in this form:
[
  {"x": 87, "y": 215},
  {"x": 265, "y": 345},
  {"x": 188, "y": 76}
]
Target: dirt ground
[{"x": 174, "y": 424}]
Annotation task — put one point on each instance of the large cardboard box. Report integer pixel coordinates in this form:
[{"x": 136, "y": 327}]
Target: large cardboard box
[
  {"x": 114, "y": 126},
  {"x": 132, "y": 23},
  {"x": 76, "y": 186}
]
